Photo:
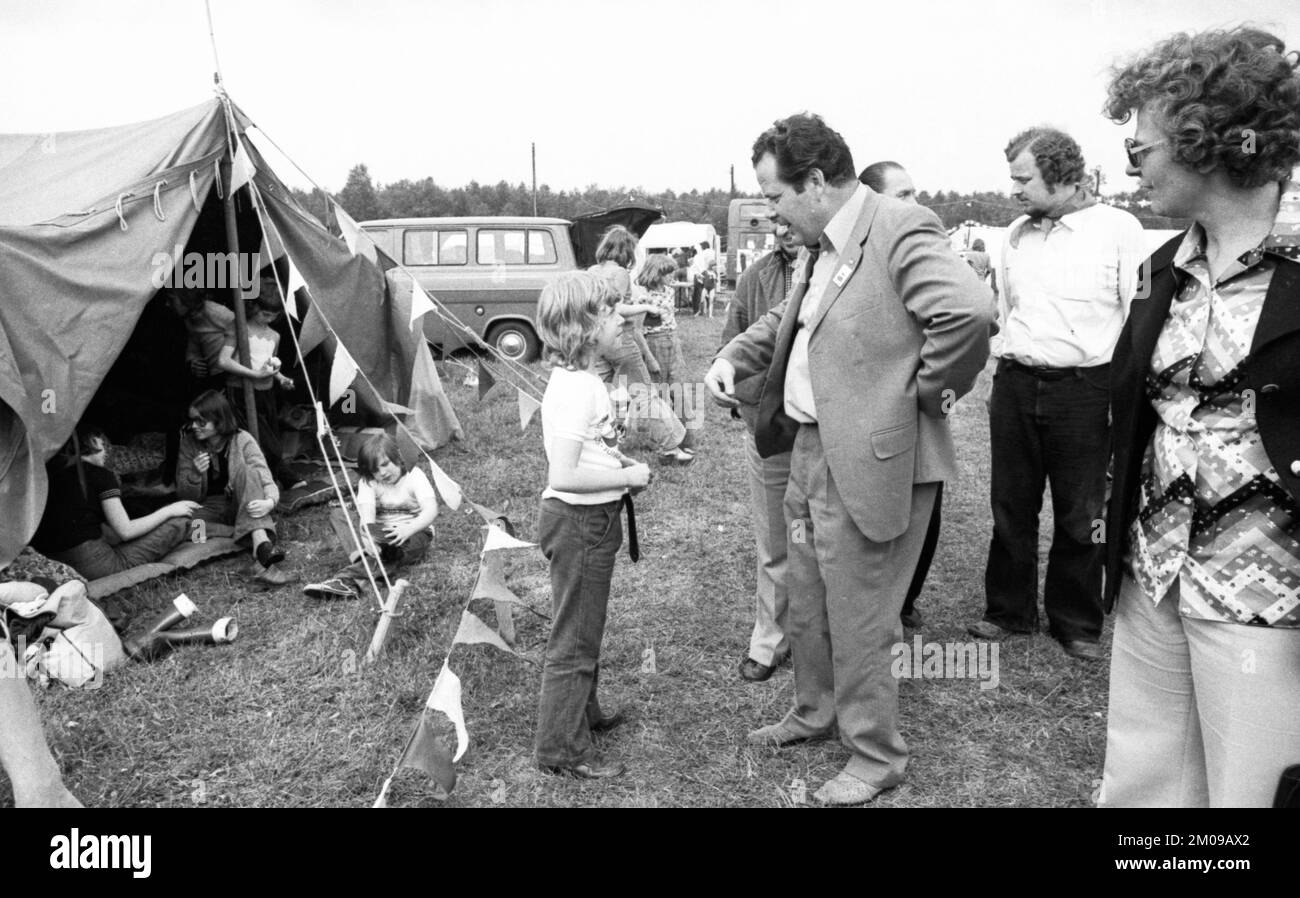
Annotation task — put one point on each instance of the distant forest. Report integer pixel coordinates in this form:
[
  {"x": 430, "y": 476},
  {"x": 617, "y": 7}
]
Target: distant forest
[{"x": 365, "y": 200}]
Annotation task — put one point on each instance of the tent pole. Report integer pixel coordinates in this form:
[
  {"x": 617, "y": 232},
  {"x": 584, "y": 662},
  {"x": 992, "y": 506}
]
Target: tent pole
[{"x": 241, "y": 319}]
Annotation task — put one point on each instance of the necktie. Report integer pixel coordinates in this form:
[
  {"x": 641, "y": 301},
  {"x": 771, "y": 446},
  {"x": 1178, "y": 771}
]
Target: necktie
[{"x": 633, "y": 549}]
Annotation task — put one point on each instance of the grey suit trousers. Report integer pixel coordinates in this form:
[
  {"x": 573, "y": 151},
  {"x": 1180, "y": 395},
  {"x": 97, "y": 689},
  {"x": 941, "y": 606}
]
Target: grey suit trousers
[{"x": 845, "y": 595}]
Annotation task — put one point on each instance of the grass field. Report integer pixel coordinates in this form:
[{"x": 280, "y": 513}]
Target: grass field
[{"x": 288, "y": 716}]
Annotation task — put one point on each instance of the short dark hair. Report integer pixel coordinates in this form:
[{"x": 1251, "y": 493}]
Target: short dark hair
[
  {"x": 1228, "y": 98},
  {"x": 801, "y": 143},
  {"x": 618, "y": 246},
  {"x": 874, "y": 174},
  {"x": 212, "y": 406},
  {"x": 977, "y": 245},
  {"x": 1057, "y": 154},
  {"x": 374, "y": 450}
]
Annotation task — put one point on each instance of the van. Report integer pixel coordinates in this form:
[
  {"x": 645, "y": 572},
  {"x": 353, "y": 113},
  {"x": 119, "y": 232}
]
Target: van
[
  {"x": 486, "y": 271},
  {"x": 489, "y": 271}
]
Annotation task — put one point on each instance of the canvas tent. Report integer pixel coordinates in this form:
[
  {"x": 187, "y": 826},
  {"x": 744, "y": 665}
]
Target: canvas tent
[{"x": 83, "y": 218}]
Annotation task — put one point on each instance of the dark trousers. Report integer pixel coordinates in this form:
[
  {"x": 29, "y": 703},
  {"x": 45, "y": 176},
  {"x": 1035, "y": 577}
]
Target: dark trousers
[
  {"x": 580, "y": 542},
  {"x": 1048, "y": 429},
  {"x": 927, "y": 552},
  {"x": 267, "y": 406},
  {"x": 393, "y": 557}
]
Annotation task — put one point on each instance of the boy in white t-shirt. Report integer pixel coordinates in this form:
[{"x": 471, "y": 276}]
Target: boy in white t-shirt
[
  {"x": 396, "y": 506},
  {"x": 579, "y": 529}
]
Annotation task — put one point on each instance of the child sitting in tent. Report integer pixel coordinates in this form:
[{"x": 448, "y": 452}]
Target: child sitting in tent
[
  {"x": 263, "y": 370},
  {"x": 396, "y": 507},
  {"x": 83, "y": 496},
  {"x": 222, "y": 469}
]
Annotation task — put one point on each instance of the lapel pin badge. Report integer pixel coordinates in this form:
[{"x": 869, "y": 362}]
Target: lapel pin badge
[{"x": 842, "y": 275}]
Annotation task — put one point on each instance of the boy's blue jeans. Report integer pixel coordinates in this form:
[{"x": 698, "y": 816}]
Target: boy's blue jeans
[{"x": 580, "y": 542}]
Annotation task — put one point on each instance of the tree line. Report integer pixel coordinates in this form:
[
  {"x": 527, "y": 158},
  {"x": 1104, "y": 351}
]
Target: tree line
[{"x": 364, "y": 200}]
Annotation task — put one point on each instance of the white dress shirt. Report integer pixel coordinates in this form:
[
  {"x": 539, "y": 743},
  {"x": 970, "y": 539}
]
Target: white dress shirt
[
  {"x": 799, "y": 402},
  {"x": 1066, "y": 290}
]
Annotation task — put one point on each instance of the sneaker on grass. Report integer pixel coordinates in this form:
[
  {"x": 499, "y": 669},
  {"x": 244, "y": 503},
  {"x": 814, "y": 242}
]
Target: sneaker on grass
[{"x": 333, "y": 588}]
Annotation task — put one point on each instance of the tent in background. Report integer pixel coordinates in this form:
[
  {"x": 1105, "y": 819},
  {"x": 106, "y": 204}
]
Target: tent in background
[{"x": 83, "y": 218}]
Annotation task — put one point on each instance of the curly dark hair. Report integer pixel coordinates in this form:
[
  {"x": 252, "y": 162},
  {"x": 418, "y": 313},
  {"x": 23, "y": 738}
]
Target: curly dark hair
[
  {"x": 1225, "y": 98},
  {"x": 801, "y": 143},
  {"x": 1057, "y": 154}
]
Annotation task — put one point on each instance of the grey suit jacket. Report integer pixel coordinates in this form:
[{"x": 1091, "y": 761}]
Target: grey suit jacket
[{"x": 892, "y": 348}]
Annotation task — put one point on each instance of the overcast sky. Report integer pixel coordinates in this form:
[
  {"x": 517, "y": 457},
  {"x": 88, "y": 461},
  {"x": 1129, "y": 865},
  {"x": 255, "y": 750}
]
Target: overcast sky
[{"x": 650, "y": 94}]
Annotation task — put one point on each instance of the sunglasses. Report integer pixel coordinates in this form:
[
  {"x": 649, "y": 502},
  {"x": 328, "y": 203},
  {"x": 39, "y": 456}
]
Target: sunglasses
[{"x": 1136, "y": 151}]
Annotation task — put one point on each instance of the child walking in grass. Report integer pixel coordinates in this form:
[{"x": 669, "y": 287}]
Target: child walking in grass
[
  {"x": 579, "y": 529},
  {"x": 396, "y": 506}
]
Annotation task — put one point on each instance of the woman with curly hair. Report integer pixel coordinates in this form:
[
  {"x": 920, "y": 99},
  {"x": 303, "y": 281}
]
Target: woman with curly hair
[{"x": 1202, "y": 564}]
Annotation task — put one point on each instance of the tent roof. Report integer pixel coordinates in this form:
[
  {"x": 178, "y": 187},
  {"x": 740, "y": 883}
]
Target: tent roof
[
  {"x": 671, "y": 234},
  {"x": 46, "y": 176}
]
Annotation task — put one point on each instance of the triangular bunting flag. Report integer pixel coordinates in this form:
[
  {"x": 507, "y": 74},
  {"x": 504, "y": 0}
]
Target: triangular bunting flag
[
  {"x": 446, "y": 487},
  {"x": 493, "y": 517},
  {"x": 485, "y": 380},
  {"x": 527, "y": 407},
  {"x": 420, "y": 302},
  {"x": 489, "y": 586},
  {"x": 342, "y": 373},
  {"x": 472, "y": 630},
  {"x": 498, "y": 539},
  {"x": 359, "y": 243},
  {"x": 241, "y": 170},
  {"x": 295, "y": 283},
  {"x": 395, "y": 408},
  {"x": 385, "y": 262},
  {"x": 426, "y": 752},
  {"x": 445, "y": 697}
]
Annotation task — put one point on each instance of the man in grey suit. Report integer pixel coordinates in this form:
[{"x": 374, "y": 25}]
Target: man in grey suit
[{"x": 884, "y": 329}]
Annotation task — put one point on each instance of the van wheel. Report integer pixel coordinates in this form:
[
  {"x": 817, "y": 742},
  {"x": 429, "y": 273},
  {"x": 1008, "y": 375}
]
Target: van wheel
[{"x": 514, "y": 340}]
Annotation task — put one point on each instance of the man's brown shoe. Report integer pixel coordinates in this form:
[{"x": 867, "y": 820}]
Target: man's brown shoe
[
  {"x": 755, "y": 672},
  {"x": 983, "y": 629},
  {"x": 607, "y": 722},
  {"x": 589, "y": 770},
  {"x": 1082, "y": 649},
  {"x": 779, "y": 734}
]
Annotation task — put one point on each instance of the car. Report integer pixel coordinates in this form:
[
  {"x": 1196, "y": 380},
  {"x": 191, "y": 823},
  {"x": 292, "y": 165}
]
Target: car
[{"x": 486, "y": 272}]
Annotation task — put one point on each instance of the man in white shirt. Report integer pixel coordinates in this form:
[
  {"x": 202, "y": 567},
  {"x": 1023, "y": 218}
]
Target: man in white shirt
[{"x": 1069, "y": 271}]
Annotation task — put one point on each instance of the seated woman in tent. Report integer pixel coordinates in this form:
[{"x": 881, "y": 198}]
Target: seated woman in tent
[
  {"x": 222, "y": 469},
  {"x": 83, "y": 496}
]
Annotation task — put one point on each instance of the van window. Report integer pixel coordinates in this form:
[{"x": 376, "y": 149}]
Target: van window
[
  {"x": 418, "y": 247},
  {"x": 500, "y": 246},
  {"x": 541, "y": 248},
  {"x": 453, "y": 247}
]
